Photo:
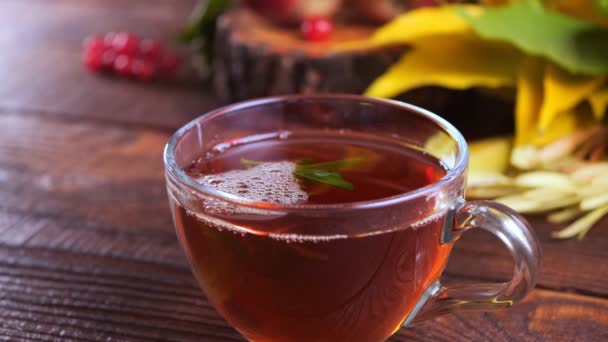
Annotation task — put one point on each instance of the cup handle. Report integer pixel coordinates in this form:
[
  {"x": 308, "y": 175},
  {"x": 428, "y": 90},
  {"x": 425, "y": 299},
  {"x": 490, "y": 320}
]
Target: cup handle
[{"x": 514, "y": 232}]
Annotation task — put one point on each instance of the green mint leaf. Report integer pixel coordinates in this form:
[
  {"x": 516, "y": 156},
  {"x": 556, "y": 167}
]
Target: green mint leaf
[
  {"x": 576, "y": 45},
  {"x": 327, "y": 172},
  {"x": 324, "y": 177},
  {"x": 334, "y": 165},
  {"x": 324, "y": 173}
]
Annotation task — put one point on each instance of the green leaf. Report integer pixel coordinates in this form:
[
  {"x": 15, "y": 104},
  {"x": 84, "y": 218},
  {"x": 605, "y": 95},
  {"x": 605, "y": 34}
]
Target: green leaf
[
  {"x": 324, "y": 173},
  {"x": 324, "y": 177},
  {"x": 602, "y": 7},
  {"x": 327, "y": 173},
  {"x": 578, "y": 46},
  {"x": 333, "y": 165}
]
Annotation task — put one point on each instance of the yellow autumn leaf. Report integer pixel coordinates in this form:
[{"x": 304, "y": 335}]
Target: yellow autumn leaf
[
  {"x": 424, "y": 23},
  {"x": 413, "y": 26},
  {"x": 565, "y": 123},
  {"x": 452, "y": 61},
  {"x": 528, "y": 107},
  {"x": 529, "y": 99},
  {"x": 563, "y": 91},
  {"x": 599, "y": 103}
]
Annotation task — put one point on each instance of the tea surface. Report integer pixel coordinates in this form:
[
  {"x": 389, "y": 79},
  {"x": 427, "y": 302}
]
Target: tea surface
[{"x": 377, "y": 170}]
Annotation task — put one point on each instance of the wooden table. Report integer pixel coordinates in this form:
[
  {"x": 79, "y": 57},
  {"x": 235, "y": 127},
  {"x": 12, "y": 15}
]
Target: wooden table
[{"x": 87, "y": 247}]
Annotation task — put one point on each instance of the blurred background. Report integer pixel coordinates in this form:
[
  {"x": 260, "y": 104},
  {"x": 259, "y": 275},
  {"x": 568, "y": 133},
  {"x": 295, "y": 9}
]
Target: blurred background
[{"x": 87, "y": 246}]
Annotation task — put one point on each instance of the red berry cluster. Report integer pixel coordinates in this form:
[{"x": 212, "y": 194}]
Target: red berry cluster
[{"x": 126, "y": 55}]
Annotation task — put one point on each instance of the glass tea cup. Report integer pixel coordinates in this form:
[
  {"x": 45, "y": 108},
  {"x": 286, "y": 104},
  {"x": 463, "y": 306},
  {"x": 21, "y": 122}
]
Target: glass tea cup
[{"x": 354, "y": 271}]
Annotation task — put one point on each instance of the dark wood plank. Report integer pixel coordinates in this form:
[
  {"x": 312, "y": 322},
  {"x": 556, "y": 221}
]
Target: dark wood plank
[
  {"x": 82, "y": 166},
  {"x": 544, "y": 316},
  {"x": 55, "y": 294},
  {"x": 41, "y": 62},
  {"x": 98, "y": 298},
  {"x": 84, "y": 187}
]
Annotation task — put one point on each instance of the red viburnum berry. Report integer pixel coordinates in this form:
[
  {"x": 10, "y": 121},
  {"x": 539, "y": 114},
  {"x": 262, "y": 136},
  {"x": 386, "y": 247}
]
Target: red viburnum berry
[{"x": 317, "y": 29}]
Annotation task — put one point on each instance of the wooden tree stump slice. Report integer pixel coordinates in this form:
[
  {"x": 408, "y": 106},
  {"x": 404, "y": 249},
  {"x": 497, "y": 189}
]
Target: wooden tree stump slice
[{"x": 255, "y": 58}]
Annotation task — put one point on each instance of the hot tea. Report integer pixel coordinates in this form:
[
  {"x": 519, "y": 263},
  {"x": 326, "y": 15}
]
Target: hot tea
[{"x": 279, "y": 276}]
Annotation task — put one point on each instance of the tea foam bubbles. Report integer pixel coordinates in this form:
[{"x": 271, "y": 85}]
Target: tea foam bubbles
[{"x": 272, "y": 182}]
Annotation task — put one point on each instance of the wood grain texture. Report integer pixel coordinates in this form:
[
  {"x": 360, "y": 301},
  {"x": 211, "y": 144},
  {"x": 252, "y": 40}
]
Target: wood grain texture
[
  {"x": 84, "y": 187},
  {"x": 41, "y": 44},
  {"x": 55, "y": 294}
]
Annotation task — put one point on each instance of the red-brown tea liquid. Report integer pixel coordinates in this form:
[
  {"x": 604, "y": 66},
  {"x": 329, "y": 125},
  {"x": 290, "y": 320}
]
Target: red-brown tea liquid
[{"x": 274, "y": 279}]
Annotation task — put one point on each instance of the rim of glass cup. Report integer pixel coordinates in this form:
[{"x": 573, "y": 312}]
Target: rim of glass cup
[{"x": 453, "y": 173}]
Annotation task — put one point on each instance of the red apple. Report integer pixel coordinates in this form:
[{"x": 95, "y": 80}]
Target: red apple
[{"x": 294, "y": 11}]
